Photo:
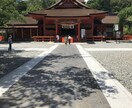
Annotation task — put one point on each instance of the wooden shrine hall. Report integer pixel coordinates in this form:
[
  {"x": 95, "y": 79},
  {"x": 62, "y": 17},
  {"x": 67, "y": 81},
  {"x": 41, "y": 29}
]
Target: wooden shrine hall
[{"x": 65, "y": 17}]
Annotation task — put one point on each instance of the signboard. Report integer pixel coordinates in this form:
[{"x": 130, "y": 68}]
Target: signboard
[
  {"x": 83, "y": 32},
  {"x": 116, "y": 27}
]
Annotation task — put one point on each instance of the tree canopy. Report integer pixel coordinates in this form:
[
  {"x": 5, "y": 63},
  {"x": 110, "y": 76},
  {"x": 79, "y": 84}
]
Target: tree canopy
[
  {"x": 14, "y": 9},
  {"x": 112, "y": 6},
  {"x": 8, "y": 11},
  {"x": 123, "y": 8}
]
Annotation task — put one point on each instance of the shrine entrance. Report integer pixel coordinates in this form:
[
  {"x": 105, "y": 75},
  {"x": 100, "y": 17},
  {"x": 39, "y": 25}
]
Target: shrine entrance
[{"x": 68, "y": 29}]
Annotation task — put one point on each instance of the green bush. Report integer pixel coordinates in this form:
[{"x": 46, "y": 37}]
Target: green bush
[
  {"x": 127, "y": 30},
  {"x": 130, "y": 30}
]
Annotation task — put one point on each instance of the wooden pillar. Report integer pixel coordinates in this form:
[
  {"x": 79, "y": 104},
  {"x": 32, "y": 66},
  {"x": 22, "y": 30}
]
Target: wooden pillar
[
  {"x": 22, "y": 33},
  {"x": 37, "y": 31},
  {"x": 13, "y": 32},
  {"x": 44, "y": 24},
  {"x": 78, "y": 32},
  {"x": 16, "y": 33},
  {"x": 6, "y": 33},
  {"x": 30, "y": 32},
  {"x": 92, "y": 23},
  {"x": 56, "y": 28}
]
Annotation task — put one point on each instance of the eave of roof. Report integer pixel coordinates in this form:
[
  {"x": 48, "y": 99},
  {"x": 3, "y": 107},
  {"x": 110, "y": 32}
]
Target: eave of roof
[
  {"x": 110, "y": 20},
  {"x": 67, "y": 12},
  {"x": 26, "y": 20}
]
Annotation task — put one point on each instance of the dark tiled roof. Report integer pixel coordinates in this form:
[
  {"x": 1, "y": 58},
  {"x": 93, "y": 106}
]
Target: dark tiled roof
[
  {"x": 68, "y": 12},
  {"x": 81, "y": 0},
  {"x": 110, "y": 20},
  {"x": 78, "y": 3},
  {"x": 26, "y": 20}
]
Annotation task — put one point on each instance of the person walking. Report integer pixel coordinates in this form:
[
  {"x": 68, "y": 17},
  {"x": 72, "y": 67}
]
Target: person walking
[
  {"x": 10, "y": 43},
  {"x": 118, "y": 36},
  {"x": 69, "y": 39},
  {"x": 65, "y": 40},
  {"x": 57, "y": 38}
]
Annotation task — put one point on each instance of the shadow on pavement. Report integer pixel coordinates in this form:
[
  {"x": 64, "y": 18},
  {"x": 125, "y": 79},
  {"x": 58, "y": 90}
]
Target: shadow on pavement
[{"x": 43, "y": 87}]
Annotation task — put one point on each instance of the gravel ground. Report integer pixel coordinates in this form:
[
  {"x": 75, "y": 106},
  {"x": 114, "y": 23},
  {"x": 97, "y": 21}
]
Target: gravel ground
[
  {"x": 110, "y": 44},
  {"x": 118, "y": 63},
  {"x": 27, "y": 45},
  {"x": 11, "y": 60}
]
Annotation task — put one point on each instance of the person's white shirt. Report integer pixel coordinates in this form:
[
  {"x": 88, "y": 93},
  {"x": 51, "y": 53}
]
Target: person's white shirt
[
  {"x": 69, "y": 37},
  {"x": 57, "y": 37}
]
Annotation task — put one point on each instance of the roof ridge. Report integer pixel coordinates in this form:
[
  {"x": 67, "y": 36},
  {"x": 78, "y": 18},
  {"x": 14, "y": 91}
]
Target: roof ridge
[{"x": 76, "y": 2}]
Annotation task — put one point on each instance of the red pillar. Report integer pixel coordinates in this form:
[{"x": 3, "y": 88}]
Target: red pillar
[
  {"x": 92, "y": 23},
  {"x": 31, "y": 33},
  {"x": 78, "y": 32},
  {"x": 56, "y": 28},
  {"x": 22, "y": 33},
  {"x": 44, "y": 21}
]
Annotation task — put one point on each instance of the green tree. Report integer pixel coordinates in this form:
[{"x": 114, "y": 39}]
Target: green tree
[
  {"x": 8, "y": 11},
  {"x": 34, "y": 5},
  {"x": 118, "y": 5},
  {"x": 21, "y": 6},
  {"x": 47, "y": 3},
  {"x": 124, "y": 14},
  {"x": 99, "y": 4},
  {"x": 112, "y": 6}
]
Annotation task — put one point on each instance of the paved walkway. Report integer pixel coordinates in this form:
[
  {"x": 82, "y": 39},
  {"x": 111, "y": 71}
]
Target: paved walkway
[{"x": 60, "y": 80}]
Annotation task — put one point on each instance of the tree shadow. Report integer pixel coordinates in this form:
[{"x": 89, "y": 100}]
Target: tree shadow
[
  {"x": 101, "y": 78},
  {"x": 54, "y": 88},
  {"x": 91, "y": 42},
  {"x": 51, "y": 88},
  {"x": 10, "y": 61}
]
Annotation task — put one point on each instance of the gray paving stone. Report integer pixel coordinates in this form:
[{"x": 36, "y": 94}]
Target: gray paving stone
[{"x": 61, "y": 80}]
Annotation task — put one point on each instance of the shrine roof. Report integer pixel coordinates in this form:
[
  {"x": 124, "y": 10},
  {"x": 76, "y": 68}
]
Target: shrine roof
[
  {"x": 71, "y": 3},
  {"x": 110, "y": 20},
  {"x": 67, "y": 12},
  {"x": 26, "y": 20}
]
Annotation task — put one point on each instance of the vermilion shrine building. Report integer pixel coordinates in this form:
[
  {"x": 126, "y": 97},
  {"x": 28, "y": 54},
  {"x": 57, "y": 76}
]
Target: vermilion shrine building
[{"x": 65, "y": 17}]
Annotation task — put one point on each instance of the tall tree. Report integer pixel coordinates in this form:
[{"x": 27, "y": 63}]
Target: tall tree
[
  {"x": 125, "y": 13},
  {"x": 47, "y": 3},
  {"x": 34, "y": 5},
  {"x": 21, "y": 6},
  {"x": 8, "y": 11},
  {"x": 112, "y": 6},
  {"x": 99, "y": 4},
  {"x": 118, "y": 5}
]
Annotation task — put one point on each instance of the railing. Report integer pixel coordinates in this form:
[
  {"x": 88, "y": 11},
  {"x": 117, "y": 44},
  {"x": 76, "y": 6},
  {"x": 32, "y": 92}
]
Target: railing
[
  {"x": 1, "y": 38},
  {"x": 43, "y": 38},
  {"x": 127, "y": 37},
  {"x": 93, "y": 38}
]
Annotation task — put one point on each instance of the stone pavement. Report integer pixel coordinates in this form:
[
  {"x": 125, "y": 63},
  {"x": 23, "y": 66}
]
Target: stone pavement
[{"x": 61, "y": 79}]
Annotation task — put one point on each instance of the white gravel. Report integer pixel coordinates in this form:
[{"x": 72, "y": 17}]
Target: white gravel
[
  {"x": 117, "y": 63},
  {"x": 28, "y": 45}
]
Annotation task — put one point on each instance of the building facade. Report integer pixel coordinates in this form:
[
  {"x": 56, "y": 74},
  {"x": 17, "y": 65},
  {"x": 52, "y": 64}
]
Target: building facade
[{"x": 65, "y": 17}]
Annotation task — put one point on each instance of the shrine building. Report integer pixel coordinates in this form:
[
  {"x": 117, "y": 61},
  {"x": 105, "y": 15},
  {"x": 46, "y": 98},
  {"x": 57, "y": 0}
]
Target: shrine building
[{"x": 65, "y": 17}]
